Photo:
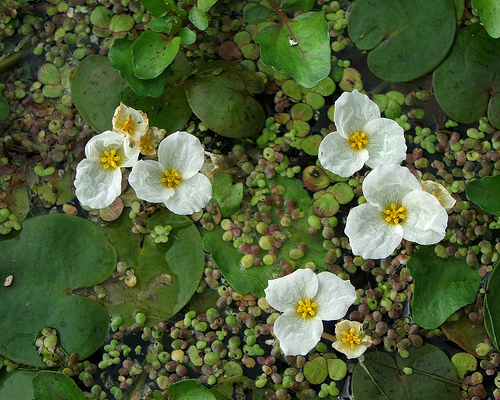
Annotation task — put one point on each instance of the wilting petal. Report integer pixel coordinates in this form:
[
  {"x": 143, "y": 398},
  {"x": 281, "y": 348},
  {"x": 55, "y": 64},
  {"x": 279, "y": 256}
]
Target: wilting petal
[
  {"x": 191, "y": 195},
  {"x": 285, "y": 293},
  {"x": 440, "y": 192},
  {"x": 370, "y": 236},
  {"x": 334, "y": 296},
  {"x": 181, "y": 151},
  {"x": 353, "y": 350},
  {"x": 130, "y": 122},
  {"x": 386, "y": 142},
  {"x": 297, "y": 335},
  {"x": 353, "y": 111},
  {"x": 145, "y": 178},
  {"x": 426, "y": 219},
  {"x": 337, "y": 156}
]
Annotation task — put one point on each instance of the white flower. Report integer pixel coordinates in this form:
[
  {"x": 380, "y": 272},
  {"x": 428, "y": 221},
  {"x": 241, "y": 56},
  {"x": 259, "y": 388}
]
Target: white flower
[
  {"x": 305, "y": 300},
  {"x": 98, "y": 177},
  {"x": 351, "y": 339},
  {"x": 440, "y": 192},
  {"x": 397, "y": 208},
  {"x": 362, "y": 137},
  {"x": 131, "y": 123},
  {"x": 174, "y": 178}
]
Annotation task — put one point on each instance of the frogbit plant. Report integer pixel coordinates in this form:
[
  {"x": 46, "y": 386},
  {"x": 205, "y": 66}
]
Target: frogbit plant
[
  {"x": 397, "y": 208},
  {"x": 362, "y": 137},
  {"x": 305, "y": 300},
  {"x": 351, "y": 340}
]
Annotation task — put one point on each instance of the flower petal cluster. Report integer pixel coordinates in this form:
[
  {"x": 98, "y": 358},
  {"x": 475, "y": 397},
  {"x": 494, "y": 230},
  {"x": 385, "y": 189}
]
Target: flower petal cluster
[
  {"x": 362, "y": 137},
  {"x": 174, "y": 179},
  {"x": 351, "y": 340},
  {"x": 306, "y": 298},
  {"x": 131, "y": 123},
  {"x": 440, "y": 192},
  {"x": 98, "y": 176},
  {"x": 397, "y": 208}
]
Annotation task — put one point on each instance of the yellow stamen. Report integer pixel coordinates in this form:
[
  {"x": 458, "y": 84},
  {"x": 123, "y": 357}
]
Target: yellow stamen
[
  {"x": 350, "y": 338},
  {"x": 306, "y": 308},
  {"x": 127, "y": 125},
  {"x": 171, "y": 179},
  {"x": 110, "y": 159},
  {"x": 358, "y": 140},
  {"x": 394, "y": 214}
]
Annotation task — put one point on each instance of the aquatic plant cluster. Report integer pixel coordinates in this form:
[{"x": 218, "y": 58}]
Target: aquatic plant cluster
[{"x": 268, "y": 212}]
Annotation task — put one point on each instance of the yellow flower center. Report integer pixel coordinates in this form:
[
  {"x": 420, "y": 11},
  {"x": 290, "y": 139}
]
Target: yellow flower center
[
  {"x": 306, "y": 308},
  {"x": 171, "y": 178},
  {"x": 351, "y": 338},
  {"x": 126, "y": 125},
  {"x": 394, "y": 215},
  {"x": 110, "y": 159},
  {"x": 146, "y": 145},
  {"x": 358, "y": 140}
]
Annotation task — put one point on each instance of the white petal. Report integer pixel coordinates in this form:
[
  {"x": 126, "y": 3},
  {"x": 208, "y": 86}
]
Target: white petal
[
  {"x": 297, "y": 335},
  {"x": 190, "y": 196},
  {"x": 426, "y": 219},
  {"x": 370, "y": 236},
  {"x": 285, "y": 293},
  {"x": 346, "y": 348},
  {"x": 440, "y": 192},
  {"x": 334, "y": 296},
  {"x": 387, "y": 184},
  {"x": 135, "y": 127},
  {"x": 386, "y": 142},
  {"x": 95, "y": 186},
  {"x": 353, "y": 111},
  {"x": 131, "y": 153},
  {"x": 181, "y": 151},
  {"x": 337, "y": 156},
  {"x": 95, "y": 145},
  {"x": 145, "y": 178}
]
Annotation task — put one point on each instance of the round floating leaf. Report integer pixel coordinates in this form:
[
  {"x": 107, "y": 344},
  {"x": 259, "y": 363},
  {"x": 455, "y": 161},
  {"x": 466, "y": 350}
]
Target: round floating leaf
[
  {"x": 466, "y": 84},
  {"x": 227, "y": 196},
  {"x": 492, "y": 308},
  {"x": 167, "y": 274},
  {"x": 189, "y": 390},
  {"x": 55, "y": 385},
  {"x": 298, "y": 47},
  {"x": 406, "y": 39},
  {"x": 53, "y": 255},
  {"x": 485, "y": 192},
  {"x": 152, "y": 52},
  {"x": 442, "y": 286},
  {"x": 316, "y": 370},
  {"x": 17, "y": 385},
  {"x": 255, "y": 13},
  {"x": 489, "y": 12},
  {"x": 219, "y": 95},
  {"x": 198, "y": 18},
  {"x": 381, "y": 377},
  {"x": 464, "y": 334}
]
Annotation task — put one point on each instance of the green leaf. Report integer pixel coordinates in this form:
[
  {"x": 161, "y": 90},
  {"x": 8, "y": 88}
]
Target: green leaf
[
  {"x": 298, "y": 47},
  {"x": 167, "y": 274},
  {"x": 152, "y": 53},
  {"x": 219, "y": 95},
  {"x": 466, "y": 84},
  {"x": 255, "y": 13},
  {"x": 406, "y": 39},
  {"x": 485, "y": 192},
  {"x": 157, "y": 8},
  {"x": 442, "y": 286},
  {"x": 205, "y": 5},
  {"x": 120, "y": 56},
  {"x": 492, "y": 308},
  {"x": 53, "y": 255},
  {"x": 17, "y": 385},
  {"x": 489, "y": 12},
  {"x": 463, "y": 333},
  {"x": 198, "y": 18},
  {"x": 381, "y": 377},
  {"x": 49, "y": 385},
  {"x": 227, "y": 196},
  {"x": 296, "y": 5},
  {"x": 187, "y": 36},
  {"x": 4, "y": 108},
  {"x": 316, "y": 370},
  {"x": 189, "y": 390}
]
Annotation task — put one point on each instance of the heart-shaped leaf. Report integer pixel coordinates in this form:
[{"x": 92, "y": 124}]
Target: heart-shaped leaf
[
  {"x": 298, "y": 47},
  {"x": 55, "y": 385},
  {"x": 406, "y": 39},
  {"x": 485, "y": 192},
  {"x": 53, "y": 255}
]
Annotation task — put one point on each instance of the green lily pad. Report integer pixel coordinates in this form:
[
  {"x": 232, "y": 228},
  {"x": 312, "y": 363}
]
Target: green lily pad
[
  {"x": 55, "y": 385},
  {"x": 407, "y": 40},
  {"x": 441, "y": 287},
  {"x": 17, "y": 385},
  {"x": 465, "y": 84},
  {"x": 220, "y": 95},
  {"x": 316, "y": 371},
  {"x": 189, "y": 390},
  {"x": 226, "y": 195},
  {"x": 53, "y": 255},
  {"x": 489, "y": 12},
  {"x": 298, "y": 47},
  {"x": 464, "y": 334},
  {"x": 97, "y": 90},
  {"x": 198, "y": 18},
  {"x": 381, "y": 377},
  {"x": 491, "y": 309},
  {"x": 485, "y": 192},
  {"x": 167, "y": 274}
]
